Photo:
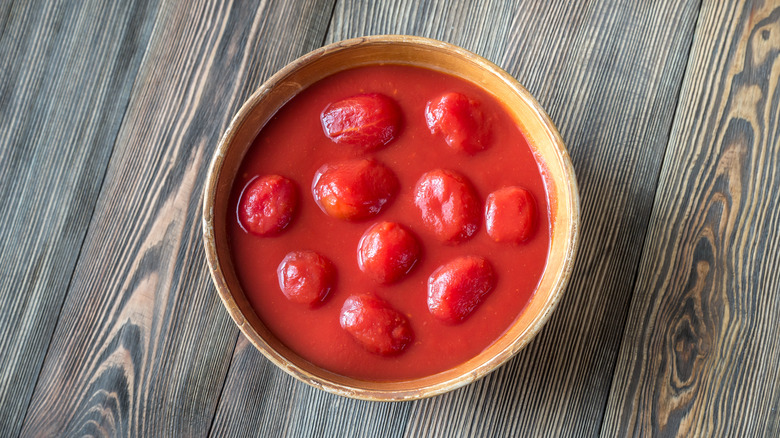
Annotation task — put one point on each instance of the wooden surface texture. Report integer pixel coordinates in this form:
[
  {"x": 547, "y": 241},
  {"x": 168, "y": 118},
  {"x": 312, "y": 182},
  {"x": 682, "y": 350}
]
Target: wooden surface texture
[
  {"x": 700, "y": 350},
  {"x": 109, "y": 115}
]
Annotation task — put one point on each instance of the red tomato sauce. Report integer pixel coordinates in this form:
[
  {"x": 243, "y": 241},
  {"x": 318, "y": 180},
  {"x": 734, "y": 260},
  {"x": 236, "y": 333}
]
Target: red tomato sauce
[{"x": 293, "y": 145}]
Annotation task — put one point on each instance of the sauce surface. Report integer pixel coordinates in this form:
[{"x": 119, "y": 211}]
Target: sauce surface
[{"x": 294, "y": 145}]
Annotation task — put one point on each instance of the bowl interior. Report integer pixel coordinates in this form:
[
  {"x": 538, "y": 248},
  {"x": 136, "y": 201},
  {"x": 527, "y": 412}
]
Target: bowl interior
[{"x": 541, "y": 135}]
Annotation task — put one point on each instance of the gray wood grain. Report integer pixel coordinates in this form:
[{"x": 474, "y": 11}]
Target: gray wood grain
[
  {"x": 143, "y": 344},
  {"x": 66, "y": 71},
  {"x": 109, "y": 113},
  {"x": 701, "y": 351},
  {"x": 261, "y": 400},
  {"x": 609, "y": 73}
]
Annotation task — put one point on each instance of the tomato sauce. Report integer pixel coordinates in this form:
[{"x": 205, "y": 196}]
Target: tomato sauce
[{"x": 293, "y": 145}]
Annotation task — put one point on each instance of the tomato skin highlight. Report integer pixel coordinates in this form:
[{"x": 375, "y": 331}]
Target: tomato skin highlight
[
  {"x": 448, "y": 204},
  {"x": 267, "y": 205},
  {"x": 387, "y": 252},
  {"x": 355, "y": 189},
  {"x": 369, "y": 121},
  {"x": 510, "y": 215},
  {"x": 375, "y": 325},
  {"x": 456, "y": 289},
  {"x": 460, "y": 120}
]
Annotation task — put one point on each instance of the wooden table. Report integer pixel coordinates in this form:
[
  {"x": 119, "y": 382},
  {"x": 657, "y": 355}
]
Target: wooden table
[{"x": 109, "y": 114}]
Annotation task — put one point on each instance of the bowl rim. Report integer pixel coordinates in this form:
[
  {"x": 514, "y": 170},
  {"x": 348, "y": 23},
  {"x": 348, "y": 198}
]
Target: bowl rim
[{"x": 218, "y": 276}]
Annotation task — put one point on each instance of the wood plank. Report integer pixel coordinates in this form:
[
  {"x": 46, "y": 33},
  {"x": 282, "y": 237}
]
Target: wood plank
[
  {"x": 701, "y": 351},
  {"x": 609, "y": 73},
  {"x": 261, "y": 400},
  {"x": 66, "y": 72},
  {"x": 143, "y": 344}
]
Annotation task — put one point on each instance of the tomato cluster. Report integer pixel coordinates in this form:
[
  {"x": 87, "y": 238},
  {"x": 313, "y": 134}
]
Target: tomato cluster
[{"x": 359, "y": 189}]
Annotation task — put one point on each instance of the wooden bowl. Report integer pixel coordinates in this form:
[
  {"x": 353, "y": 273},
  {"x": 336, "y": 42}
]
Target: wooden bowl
[{"x": 541, "y": 135}]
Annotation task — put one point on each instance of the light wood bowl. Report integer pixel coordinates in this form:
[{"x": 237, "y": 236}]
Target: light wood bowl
[{"x": 540, "y": 132}]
